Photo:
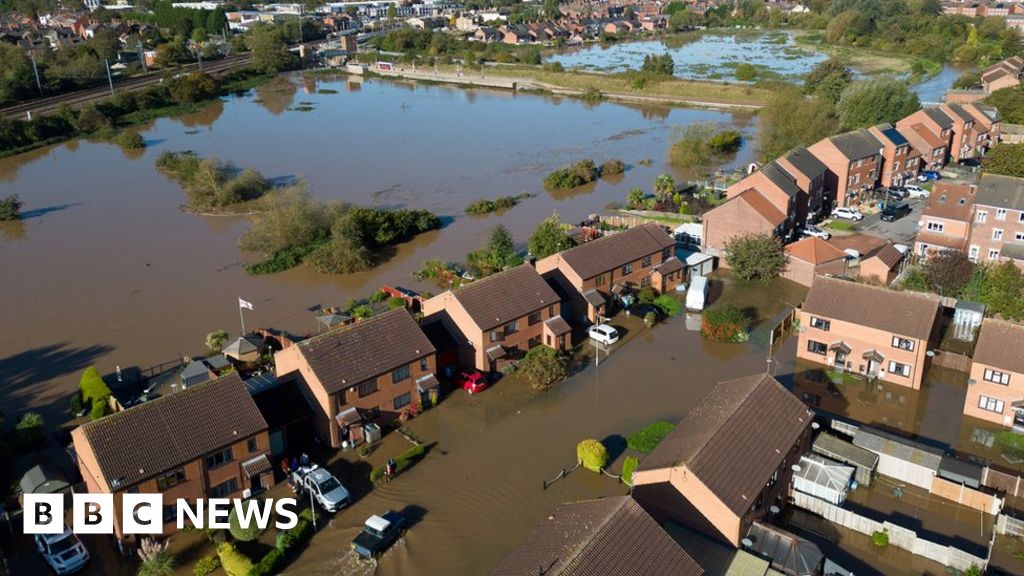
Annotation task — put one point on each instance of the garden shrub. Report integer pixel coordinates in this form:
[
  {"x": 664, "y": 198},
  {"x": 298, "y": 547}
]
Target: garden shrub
[
  {"x": 234, "y": 562},
  {"x": 92, "y": 386},
  {"x": 628, "y": 467},
  {"x": 725, "y": 324},
  {"x": 580, "y": 173},
  {"x": 592, "y": 455},
  {"x": 99, "y": 410},
  {"x": 205, "y": 565},
  {"x": 669, "y": 305},
  {"x": 880, "y": 538},
  {"x": 268, "y": 564},
  {"x": 247, "y": 534},
  {"x": 645, "y": 439},
  {"x": 542, "y": 367}
]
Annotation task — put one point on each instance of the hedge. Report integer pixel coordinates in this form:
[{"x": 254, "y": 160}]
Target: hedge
[
  {"x": 206, "y": 565},
  {"x": 628, "y": 467},
  {"x": 592, "y": 455},
  {"x": 234, "y": 562},
  {"x": 403, "y": 461},
  {"x": 271, "y": 563},
  {"x": 725, "y": 324},
  {"x": 645, "y": 439}
]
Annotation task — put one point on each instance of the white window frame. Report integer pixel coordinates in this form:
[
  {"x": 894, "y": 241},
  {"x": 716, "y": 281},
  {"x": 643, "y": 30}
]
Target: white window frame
[
  {"x": 993, "y": 253},
  {"x": 899, "y": 369},
  {"x": 1019, "y": 236},
  {"x": 981, "y": 216},
  {"x": 972, "y": 255},
  {"x": 903, "y": 343},
  {"x": 997, "y": 233},
  {"x": 996, "y": 377},
  {"x": 990, "y": 404},
  {"x": 1000, "y": 213},
  {"x": 936, "y": 226}
]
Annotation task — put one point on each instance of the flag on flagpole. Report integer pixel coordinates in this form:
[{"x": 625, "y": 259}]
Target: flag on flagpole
[{"x": 244, "y": 304}]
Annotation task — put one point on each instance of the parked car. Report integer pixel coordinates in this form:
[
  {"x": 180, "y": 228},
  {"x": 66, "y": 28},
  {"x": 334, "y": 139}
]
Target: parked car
[
  {"x": 895, "y": 193},
  {"x": 915, "y": 191},
  {"x": 64, "y": 552},
  {"x": 326, "y": 489},
  {"x": 817, "y": 232},
  {"x": 642, "y": 310},
  {"x": 894, "y": 211},
  {"x": 603, "y": 334},
  {"x": 848, "y": 214},
  {"x": 927, "y": 175},
  {"x": 379, "y": 533},
  {"x": 472, "y": 381}
]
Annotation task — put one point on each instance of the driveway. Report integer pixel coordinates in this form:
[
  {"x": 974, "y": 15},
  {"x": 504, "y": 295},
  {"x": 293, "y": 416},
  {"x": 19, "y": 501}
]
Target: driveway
[{"x": 901, "y": 231}]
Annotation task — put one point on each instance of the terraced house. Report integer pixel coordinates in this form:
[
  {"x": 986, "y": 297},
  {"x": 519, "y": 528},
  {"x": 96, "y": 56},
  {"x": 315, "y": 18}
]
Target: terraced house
[
  {"x": 501, "y": 317},
  {"x": 900, "y": 160},
  {"x": 867, "y": 330},
  {"x": 962, "y": 144},
  {"x": 929, "y": 130},
  {"x": 997, "y": 233},
  {"x": 946, "y": 220},
  {"x": 362, "y": 373},
  {"x": 209, "y": 441},
  {"x": 996, "y": 393},
  {"x": 810, "y": 175},
  {"x": 590, "y": 276},
  {"x": 988, "y": 126},
  {"x": 854, "y": 161}
]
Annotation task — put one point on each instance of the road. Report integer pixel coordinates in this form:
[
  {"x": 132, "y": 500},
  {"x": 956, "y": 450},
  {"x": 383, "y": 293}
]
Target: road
[
  {"x": 82, "y": 97},
  {"x": 901, "y": 231}
]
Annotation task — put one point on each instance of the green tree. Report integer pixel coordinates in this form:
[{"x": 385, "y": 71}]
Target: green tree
[
  {"x": 592, "y": 455},
  {"x": 755, "y": 257},
  {"x": 785, "y": 125},
  {"x": 551, "y": 11},
  {"x": 874, "y": 101},
  {"x": 216, "y": 340},
  {"x": 248, "y": 533},
  {"x": 635, "y": 198},
  {"x": 1003, "y": 291},
  {"x": 498, "y": 254},
  {"x": 28, "y": 431},
  {"x": 661, "y": 65},
  {"x": 828, "y": 80},
  {"x": 93, "y": 388},
  {"x": 967, "y": 80},
  {"x": 664, "y": 186},
  {"x": 549, "y": 237},
  {"x": 1006, "y": 159},
  {"x": 10, "y": 208},
  {"x": 16, "y": 79},
  {"x": 948, "y": 271},
  {"x": 193, "y": 87},
  {"x": 269, "y": 52},
  {"x": 542, "y": 367}
]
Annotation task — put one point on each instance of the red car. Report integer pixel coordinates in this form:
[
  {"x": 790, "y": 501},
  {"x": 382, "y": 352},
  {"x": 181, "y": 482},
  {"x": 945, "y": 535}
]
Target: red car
[{"x": 472, "y": 381}]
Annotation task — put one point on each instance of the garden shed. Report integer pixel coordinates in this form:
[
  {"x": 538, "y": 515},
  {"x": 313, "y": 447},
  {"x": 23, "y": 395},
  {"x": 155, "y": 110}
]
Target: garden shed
[
  {"x": 864, "y": 461},
  {"x": 901, "y": 458},
  {"x": 823, "y": 478}
]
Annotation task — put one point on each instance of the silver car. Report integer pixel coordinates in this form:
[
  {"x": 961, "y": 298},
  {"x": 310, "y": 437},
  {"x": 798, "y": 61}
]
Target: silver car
[
  {"x": 64, "y": 552},
  {"x": 603, "y": 334}
]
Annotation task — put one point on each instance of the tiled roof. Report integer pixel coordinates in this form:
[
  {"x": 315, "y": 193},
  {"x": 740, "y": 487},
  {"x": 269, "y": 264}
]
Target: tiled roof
[
  {"x": 807, "y": 163},
  {"x": 814, "y": 250},
  {"x": 882, "y": 442},
  {"x": 608, "y": 537},
  {"x": 959, "y": 111},
  {"x": 939, "y": 117},
  {"x": 950, "y": 201},
  {"x": 357, "y": 352},
  {"x": 931, "y": 139},
  {"x": 669, "y": 266},
  {"x": 505, "y": 296},
  {"x": 1000, "y": 191},
  {"x": 778, "y": 176},
  {"x": 904, "y": 313},
  {"x": 889, "y": 255},
  {"x": 615, "y": 250},
  {"x": 1000, "y": 344},
  {"x": 856, "y": 145},
  {"x": 735, "y": 438},
  {"x": 762, "y": 206},
  {"x": 558, "y": 325},
  {"x": 152, "y": 438},
  {"x": 987, "y": 115}
]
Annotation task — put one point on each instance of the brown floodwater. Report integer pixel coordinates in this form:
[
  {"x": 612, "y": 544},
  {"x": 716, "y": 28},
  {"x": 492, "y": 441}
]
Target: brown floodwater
[{"x": 106, "y": 269}]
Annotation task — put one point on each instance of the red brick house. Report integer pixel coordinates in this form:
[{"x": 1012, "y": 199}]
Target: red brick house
[
  {"x": 987, "y": 126},
  {"x": 750, "y": 212},
  {"x": 209, "y": 441},
  {"x": 854, "y": 161},
  {"x": 361, "y": 373},
  {"x": 502, "y": 316},
  {"x": 779, "y": 187},
  {"x": 997, "y": 233},
  {"x": 900, "y": 161},
  {"x": 810, "y": 175},
  {"x": 962, "y": 145},
  {"x": 996, "y": 391},
  {"x": 929, "y": 130},
  {"x": 591, "y": 275},
  {"x": 811, "y": 256},
  {"x": 946, "y": 220}
]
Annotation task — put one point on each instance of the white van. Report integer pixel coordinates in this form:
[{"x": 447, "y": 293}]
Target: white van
[{"x": 697, "y": 294}]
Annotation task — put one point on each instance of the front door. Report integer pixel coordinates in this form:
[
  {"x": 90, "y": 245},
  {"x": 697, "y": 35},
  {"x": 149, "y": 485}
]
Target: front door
[
  {"x": 840, "y": 360},
  {"x": 1018, "y": 418},
  {"x": 872, "y": 368},
  {"x": 256, "y": 483}
]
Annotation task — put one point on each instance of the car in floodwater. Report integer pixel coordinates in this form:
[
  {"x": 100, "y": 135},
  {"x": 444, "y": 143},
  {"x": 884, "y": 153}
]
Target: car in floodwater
[
  {"x": 472, "y": 381},
  {"x": 327, "y": 491},
  {"x": 603, "y": 334},
  {"x": 379, "y": 533}
]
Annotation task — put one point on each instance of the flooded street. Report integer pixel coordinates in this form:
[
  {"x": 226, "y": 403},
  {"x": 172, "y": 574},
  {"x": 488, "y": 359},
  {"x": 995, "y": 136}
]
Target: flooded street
[
  {"x": 106, "y": 269},
  {"x": 479, "y": 491}
]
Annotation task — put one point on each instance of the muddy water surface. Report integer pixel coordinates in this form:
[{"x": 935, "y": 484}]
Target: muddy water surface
[{"x": 106, "y": 270}]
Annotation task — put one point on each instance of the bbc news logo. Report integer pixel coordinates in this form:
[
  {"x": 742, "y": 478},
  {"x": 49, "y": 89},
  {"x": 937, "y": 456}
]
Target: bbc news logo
[{"x": 144, "y": 513}]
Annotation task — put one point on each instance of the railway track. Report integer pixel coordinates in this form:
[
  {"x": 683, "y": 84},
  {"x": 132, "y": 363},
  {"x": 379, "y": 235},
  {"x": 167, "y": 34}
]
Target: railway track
[{"x": 81, "y": 97}]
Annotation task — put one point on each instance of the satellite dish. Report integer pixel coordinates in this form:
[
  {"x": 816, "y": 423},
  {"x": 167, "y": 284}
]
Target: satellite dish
[
  {"x": 796, "y": 467},
  {"x": 747, "y": 542},
  {"x": 774, "y": 509}
]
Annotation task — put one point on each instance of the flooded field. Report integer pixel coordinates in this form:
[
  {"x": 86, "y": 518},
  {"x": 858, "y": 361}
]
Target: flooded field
[
  {"x": 711, "y": 56},
  {"x": 106, "y": 270}
]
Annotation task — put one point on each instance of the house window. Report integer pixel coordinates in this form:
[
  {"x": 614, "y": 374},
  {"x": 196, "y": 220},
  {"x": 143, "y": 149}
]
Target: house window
[
  {"x": 993, "y": 254},
  {"x": 645, "y": 282},
  {"x": 224, "y": 489},
  {"x": 899, "y": 369},
  {"x": 627, "y": 269},
  {"x": 816, "y": 347},
  {"x": 990, "y": 404},
  {"x": 403, "y": 400},
  {"x": 170, "y": 479},
  {"x": 424, "y": 364},
  {"x": 511, "y": 328},
  {"x": 645, "y": 262},
  {"x": 367, "y": 388},
  {"x": 1018, "y": 236},
  {"x": 860, "y": 163},
  {"x": 850, "y": 182},
  {"x": 400, "y": 373},
  {"x": 981, "y": 217},
  {"x": 973, "y": 253},
  {"x": 936, "y": 226},
  {"x": 533, "y": 318},
  {"x": 170, "y": 512},
  {"x": 997, "y": 234},
  {"x": 820, "y": 324},
  {"x": 533, "y": 342},
  {"x": 856, "y": 179},
  {"x": 666, "y": 253},
  {"x": 599, "y": 281},
  {"x": 902, "y": 343},
  {"x": 495, "y": 336},
  {"x": 551, "y": 311},
  {"x": 219, "y": 459},
  {"x": 996, "y": 376},
  {"x": 252, "y": 445},
  {"x": 1020, "y": 217},
  {"x": 1001, "y": 214}
]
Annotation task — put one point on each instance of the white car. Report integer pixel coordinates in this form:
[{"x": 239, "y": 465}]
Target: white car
[
  {"x": 64, "y": 552},
  {"x": 817, "y": 232},
  {"x": 915, "y": 191},
  {"x": 603, "y": 334},
  {"x": 848, "y": 214}
]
